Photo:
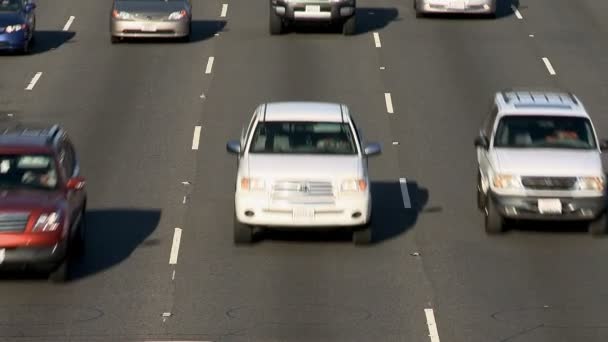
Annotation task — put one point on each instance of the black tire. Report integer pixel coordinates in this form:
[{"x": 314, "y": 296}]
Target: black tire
[
  {"x": 185, "y": 39},
  {"x": 80, "y": 237},
  {"x": 481, "y": 197},
  {"x": 114, "y": 39},
  {"x": 26, "y": 48},
  {"x": 494, "y": 222},
  {"x": 61, "y": 272},
  {"x": 243, "y": 234},
  {"x": 363, "y": 235},
  {"x": 349, "y": 27},
  {"x": 599, "y": 226},
  {"x": 276, "y": 24}
]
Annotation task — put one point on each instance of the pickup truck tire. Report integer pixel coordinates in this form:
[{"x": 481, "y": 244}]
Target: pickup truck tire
[
  {"x": 276, "y": 23},
  {"x": 243, "y": 234},
  {"x": 599, "y": 226},
  {"x": 349, "y": 27},
  {"x": 494, "y": 222},
  {"x": 363, "y": 235},
  {"x": 481, "y": 197}
]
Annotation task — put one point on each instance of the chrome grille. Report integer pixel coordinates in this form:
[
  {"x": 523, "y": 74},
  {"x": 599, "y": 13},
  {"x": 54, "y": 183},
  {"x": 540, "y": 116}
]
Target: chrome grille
[
  {"x": 548, "y": 183},
  {"x": 13, "y": 222},
  {"x": 303, "y": 191}
]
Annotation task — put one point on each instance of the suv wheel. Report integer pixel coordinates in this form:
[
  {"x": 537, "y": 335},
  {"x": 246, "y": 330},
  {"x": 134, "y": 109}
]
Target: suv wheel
[
  {"x": 243, "y": 234},
  {"x": 363, "y": 235},
  {"x": 276, "y": 23},
  {"x": 350, "y": 26},
  {"x": 494, "y": 222},
  {"x": 599, "y": 226}
]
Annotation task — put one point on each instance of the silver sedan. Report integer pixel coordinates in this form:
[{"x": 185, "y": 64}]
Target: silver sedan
[
  {"x": 150, "y": 18},
  {"x": 423, "y": 7}
]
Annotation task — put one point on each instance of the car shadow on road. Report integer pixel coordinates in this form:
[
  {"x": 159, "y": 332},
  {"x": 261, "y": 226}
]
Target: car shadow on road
[
  {"x": 368, "y": 19},
  {"x": 504, "y": 8},
  {"x": 111, "y": 236},
  {"x": 201, "y": 30},
  {"x": 390, "y": 217},
  {"x": 553, "y": 227},
  {"x": 45, "y": 41}
]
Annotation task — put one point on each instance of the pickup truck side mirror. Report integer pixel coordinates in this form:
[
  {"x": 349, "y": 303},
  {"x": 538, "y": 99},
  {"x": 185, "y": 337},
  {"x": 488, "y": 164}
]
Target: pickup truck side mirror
[
  {"x": 482, "y": 142},
  {"x": 372, "y": 149},
  {"x": 233, "y": 146}
]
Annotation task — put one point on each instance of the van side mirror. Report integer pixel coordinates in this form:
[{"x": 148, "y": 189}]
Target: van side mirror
[
  {"x": 482, "y": 141},
  {"x": 233, "y": 146}
]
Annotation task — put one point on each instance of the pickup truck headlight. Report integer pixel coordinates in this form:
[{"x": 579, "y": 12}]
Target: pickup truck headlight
[
  {"x": 47, "y": 222},
  {"x": 590, "y": 183},
  {"x": 502, "y": 181},
  {"x": 252, "y": 184},
  {"x": 353, "y": 185}
]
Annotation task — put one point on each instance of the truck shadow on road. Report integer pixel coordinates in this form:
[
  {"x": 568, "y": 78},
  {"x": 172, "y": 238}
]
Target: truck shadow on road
[
  {"x": 368, "y": 19},
  {"x": 504, "y": 8},
  {"x": 390, "y": 217},
  {"x": 111, "y": 236},
  {"x": 45, "y": 41}
]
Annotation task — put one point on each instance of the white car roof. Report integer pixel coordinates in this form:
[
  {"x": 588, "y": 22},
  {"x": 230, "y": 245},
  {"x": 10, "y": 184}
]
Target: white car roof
[
  {"x": 304, "y": 111},
  {"x": 539, "y": 102}
]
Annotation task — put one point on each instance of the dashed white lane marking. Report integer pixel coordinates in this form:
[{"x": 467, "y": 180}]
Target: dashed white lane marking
[
  {"x": 33, "y": 82},
  {"x": 382, "y": 68},
  {"x": 389, "y": 103},
  {"x": 173, "y": 275},
  {"x": 377, "y": 40},
  {"x": 531, "y": 35},
  {"x": 177, "y": 236},
  {"x": 430, "y": 322},
  {"x": 549, "y": 66},
  {"x": 69, "y": 23},
  {"x": 224, "y": 10},
  {"x": 209, "y": 65},
  {"x": 196, "y": 137},
  {"x": 516, "y": 11},
  {"x": 407, "y": 204}
]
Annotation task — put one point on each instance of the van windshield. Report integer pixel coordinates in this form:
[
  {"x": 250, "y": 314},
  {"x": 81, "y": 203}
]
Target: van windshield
[{"x": 545, "y": 132}]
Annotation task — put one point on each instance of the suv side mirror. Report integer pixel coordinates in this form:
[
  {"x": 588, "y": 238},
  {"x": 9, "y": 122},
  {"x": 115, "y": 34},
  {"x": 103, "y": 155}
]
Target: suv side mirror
[
  {"x": 482, "y": 142},
  {"x": 76, "y": 183},
  {"x": 604, "y": 145},
  {"x": 233, "y": 146},
  {"x": 30, "y": 6},
  {"x": 372, "y": 149}
]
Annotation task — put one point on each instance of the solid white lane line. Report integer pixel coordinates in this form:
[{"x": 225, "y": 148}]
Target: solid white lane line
[
  {"x": 69, "y": 23},
  {"x": 196, "y": 137},
  {"x": 516, "y": 11},
  {"x": 209, "y": 65},
  {"x": 224, "y": 10},
  {"x": 549, "y": 66},
  {"x": 177, "y": 236},
  {"x": 33, "y": 82},
  {"x": 430, "y": 322},
  {"x": 389, "y": 103},
  {"x": 377, "y": 40},
  {"x": 407, "y": 204}
]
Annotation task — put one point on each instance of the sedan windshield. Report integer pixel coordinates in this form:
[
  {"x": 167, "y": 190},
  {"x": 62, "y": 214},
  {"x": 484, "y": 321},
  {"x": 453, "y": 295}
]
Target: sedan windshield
[
  {"x": 27, "y": 172},
  {"x": 545, "y": 132},
  {"x": 10, "y": 5},
  {"x": 303, "y": 138}
]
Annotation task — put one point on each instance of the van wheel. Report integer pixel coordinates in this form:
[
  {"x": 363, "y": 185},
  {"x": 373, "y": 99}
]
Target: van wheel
[
  {"x": 363, "y": 235},
  {"x": 350, "y": 26},
  {"x": 494, "y": 222},
  {"x": 276, "y": 23},
  {"x": 599, "y": 227},
  {"x": 243, "y": 234}
]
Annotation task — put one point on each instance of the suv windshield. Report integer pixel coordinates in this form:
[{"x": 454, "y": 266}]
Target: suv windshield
[
  {"x": 27, "y": 172},
  {"x": 545, "y": 132},
  {"x": 10, "y": 5},
  {"x": 303, "y": 137}
]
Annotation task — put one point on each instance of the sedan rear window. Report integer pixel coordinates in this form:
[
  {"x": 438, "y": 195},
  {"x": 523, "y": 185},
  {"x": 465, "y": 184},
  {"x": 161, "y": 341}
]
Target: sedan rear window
[
  {"x": 303, "y": 138},
  {"x": 545, "y": 132},
  {"x": 27, "y": 172}
]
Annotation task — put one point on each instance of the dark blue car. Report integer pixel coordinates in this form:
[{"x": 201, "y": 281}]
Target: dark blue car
[{"x": 17, "y": 25}]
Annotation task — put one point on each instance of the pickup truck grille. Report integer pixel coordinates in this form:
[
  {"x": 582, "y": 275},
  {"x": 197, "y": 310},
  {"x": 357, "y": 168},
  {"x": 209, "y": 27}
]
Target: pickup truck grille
[
  {"x": 13, "y": 222},
  {"x": 303, "y": 191},
  {"x": 548, "y": 183}
]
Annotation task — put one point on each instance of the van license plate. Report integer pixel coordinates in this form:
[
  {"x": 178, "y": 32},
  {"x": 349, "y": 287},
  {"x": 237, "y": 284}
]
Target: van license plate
[
  {"x": 549, "y": 206},
  {"x": 313, "y": 8}
]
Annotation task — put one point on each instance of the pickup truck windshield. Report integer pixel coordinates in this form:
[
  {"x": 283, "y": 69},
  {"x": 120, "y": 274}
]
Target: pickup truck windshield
[
  {"x": 545, "y": 132},
  {"x": 27, "y": 172},
  {"x": 303, "y": 138}
]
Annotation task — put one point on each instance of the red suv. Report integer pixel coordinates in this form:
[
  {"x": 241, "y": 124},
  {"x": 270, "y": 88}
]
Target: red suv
[{"x": 42, "y": 199}]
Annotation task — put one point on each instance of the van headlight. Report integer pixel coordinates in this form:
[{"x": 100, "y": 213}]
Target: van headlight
[
  {"x": 353, "y": 185},
  {"x": 252, "y": 184},
  {"x": 503, "y": 181},
  {"x": 590, "y": 183}
]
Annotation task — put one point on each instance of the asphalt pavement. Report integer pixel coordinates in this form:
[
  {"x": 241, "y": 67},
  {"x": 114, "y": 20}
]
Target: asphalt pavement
[{"x": 150, "y": 121}]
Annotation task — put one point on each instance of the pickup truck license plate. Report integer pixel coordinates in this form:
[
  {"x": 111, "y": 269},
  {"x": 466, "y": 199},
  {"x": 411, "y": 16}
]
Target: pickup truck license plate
[
  {"x": 549, "y": 206},
  {"x": 303, "y": 213},
  {"x": 313, "y": 8},
  {"x": 457, "y": 5}
]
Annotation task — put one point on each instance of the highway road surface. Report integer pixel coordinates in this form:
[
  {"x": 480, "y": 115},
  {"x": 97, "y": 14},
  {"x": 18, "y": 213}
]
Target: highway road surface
[{"x": 150, "y": 122}]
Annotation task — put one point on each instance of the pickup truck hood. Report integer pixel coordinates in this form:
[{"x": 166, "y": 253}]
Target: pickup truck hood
[
  {"x": 304, "y": 166},
  {"x": 18, "y": 200},
  {"x": 549, "y": 162}
]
